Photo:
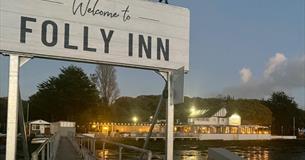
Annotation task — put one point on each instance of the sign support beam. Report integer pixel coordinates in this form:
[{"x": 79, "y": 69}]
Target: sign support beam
[
  {"x": 16, "y": 62},
  {"x": 12, "y": 110},
  {"x": 170, "y": 119}
]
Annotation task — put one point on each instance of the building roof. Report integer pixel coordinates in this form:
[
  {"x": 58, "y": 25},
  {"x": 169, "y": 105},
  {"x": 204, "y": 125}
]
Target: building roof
[
  {"x": 40, "y": 121},
  {"x": 206, "y": 112}
]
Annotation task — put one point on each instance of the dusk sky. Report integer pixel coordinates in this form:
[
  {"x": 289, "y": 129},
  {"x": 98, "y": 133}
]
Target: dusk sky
[{"x": 242, "y": 48}]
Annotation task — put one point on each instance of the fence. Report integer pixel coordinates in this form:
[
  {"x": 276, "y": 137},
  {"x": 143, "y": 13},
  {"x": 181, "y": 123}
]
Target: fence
[
  {"x": 86, "y": 145},
  {"x": 47, "y": 150}
]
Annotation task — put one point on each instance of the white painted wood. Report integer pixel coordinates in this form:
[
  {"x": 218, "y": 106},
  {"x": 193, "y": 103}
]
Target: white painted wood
[
  {"x": 23, "y": 60},
  {"x": 170, "y": 119},
  {"x": 12, "y": 109},
  {"x": 147, "y": 18}
]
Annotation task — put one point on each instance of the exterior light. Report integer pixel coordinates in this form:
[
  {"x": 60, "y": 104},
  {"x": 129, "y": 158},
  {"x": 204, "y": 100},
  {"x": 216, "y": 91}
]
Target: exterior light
[
  {"x": 93, "y": 126},
  {"x": 193, "y": 109},
  {"x": 135, "y": 119},
  {"x": 235, "y": 120}
]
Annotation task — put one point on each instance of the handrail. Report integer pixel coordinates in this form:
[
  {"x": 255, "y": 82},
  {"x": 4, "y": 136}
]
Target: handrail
[
  {"x": 124, "y": 145},
  {"x": 50, "y": 146},
  {"x": 90, "y": 151},
  {"x": 39, "y": 149}
]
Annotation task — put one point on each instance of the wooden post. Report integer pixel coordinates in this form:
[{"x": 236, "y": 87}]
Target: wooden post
[
  {"x": 170, "y": 120},
  {"x": 12, "y": 108}
]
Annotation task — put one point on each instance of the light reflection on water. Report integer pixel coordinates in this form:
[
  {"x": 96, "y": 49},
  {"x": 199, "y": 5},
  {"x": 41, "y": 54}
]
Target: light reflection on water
[
  {"x": 191, "y": 155},
  {"x": 252, "y": 153},
  {"x": 251, "y": 150},
  {"x": 248, "y": 150},
  {"x": 104, "y": 153}
]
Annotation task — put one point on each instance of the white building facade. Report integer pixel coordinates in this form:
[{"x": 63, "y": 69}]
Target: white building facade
[
  {"x": 63, "y": 128},
  {"x": 39, "y": 127},
  {"x": 204, "y": 117}
]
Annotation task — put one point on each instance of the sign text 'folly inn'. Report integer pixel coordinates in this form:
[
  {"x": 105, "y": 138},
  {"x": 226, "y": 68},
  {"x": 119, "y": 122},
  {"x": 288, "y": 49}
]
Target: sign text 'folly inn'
[{"x": 121, "y": 32}]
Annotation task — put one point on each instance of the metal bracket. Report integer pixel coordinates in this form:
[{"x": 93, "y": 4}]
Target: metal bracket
[
  {"x": 24, "y": 60},
  {"x": 163, "y": 75},
  {"x": 4, "y": 54}
]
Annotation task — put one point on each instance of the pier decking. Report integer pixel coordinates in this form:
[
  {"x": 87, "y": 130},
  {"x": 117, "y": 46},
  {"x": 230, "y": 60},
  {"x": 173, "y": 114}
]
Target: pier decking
[{"x": 66, "y": 151}]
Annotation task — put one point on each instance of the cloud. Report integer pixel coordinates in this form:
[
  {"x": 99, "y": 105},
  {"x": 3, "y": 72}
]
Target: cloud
[
  {"x": 245, "y": 75},
  {"x": 274, "y": 63},
  {"x": 280, "y": 74}
]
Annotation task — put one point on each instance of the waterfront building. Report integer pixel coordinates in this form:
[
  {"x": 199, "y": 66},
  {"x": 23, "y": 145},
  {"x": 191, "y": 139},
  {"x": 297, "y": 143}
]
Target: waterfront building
[
  {"x": 206, "y": 123},
  {"x": 63, "y": 128},
  {"x": 124, "y": 129},
  {"x": 39, "y": 127},
  {"x": 217, "y": 120},
  {"x": 209, "y": 116}
]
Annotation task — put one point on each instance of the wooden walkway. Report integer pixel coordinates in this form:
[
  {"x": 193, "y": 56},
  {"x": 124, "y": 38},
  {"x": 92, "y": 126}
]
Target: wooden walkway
[{"x": 66, "y": 151}]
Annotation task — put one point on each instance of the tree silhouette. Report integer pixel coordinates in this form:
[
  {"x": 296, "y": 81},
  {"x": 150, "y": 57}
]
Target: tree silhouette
[
  {"x": 284, "y": 110},
  {"x": 105, "y": 80},
  {"x": 69, "y": 96}
]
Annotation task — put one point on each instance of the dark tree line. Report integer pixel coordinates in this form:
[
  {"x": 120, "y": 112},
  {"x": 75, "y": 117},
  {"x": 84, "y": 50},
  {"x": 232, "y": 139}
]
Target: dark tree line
[
  {"x": 73, "y": 96},
  {"x": 284, "y": 111},
  {"x": 3, "y": 112},
  {"x": 144, "y": 106},
  {"x": 69, "y": 96},
  {"x": 278, "y": 111}
]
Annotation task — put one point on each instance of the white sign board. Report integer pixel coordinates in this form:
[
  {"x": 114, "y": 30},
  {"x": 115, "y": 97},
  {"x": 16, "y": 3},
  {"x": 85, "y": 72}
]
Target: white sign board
[{"x": 120, "y": 32}]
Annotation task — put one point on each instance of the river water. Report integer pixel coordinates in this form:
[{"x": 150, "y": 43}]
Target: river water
[
  {"x": 252, "y": 150},
  {"x": 197, "y": 150}
]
